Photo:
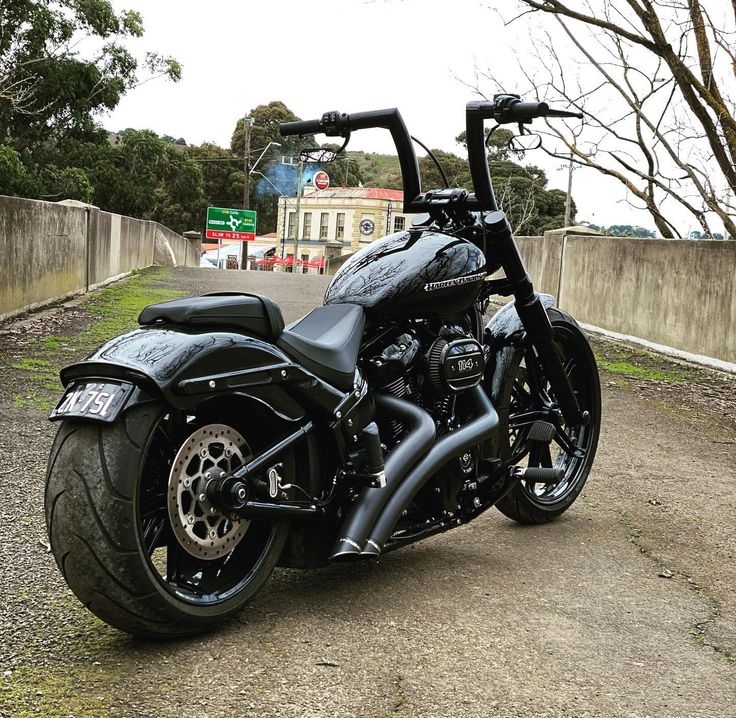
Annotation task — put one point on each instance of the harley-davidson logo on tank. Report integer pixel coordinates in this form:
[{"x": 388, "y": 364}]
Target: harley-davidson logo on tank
[{"x": 431, "y": 286}]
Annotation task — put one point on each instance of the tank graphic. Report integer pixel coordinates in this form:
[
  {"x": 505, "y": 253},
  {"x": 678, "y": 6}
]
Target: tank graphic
[{"x": 411, "y": 273}]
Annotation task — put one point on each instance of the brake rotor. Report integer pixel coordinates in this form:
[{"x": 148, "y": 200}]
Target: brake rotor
[{"x": 201, "y": 529}]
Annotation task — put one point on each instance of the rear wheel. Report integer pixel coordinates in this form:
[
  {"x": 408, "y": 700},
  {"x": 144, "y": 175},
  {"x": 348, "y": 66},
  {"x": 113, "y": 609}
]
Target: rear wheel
[
  {"x": 133, "y": 532},
  {"x": 527, "y": 397}
]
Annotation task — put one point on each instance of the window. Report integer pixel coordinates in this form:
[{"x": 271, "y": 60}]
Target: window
[
  {"x": 399, "y": 224},
  {"x": 324, "y": 220},
  {"x": 305, "y": 259},
  {"x": 340, "y": 228},
  {"x": 292, "y": 225},
  {"x": 307, "y": 225}
]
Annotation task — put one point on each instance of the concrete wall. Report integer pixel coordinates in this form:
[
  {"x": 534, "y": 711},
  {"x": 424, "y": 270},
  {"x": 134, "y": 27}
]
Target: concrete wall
[
  {"x": 679, "y": 293},
  {"x": 50, "y": 251}
]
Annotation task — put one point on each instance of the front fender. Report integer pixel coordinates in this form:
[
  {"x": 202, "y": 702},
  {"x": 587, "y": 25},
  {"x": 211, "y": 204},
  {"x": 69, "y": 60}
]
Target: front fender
[
  {"x": 189, "y": 367},
  {"x": 503, "y": 337}
]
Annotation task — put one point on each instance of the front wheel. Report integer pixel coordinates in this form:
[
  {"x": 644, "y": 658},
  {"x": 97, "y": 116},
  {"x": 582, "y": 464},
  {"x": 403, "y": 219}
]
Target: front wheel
[
  {"x": 132, "y": 531},
  {"x": 526, "y": 398}
]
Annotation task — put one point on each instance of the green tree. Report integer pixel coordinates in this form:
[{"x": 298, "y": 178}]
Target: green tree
[
  {"x": 456, "y": 169},
  {"x": 48, "y": 88},
  {"x": 497, "y": 143},
  {"x": 264, "y": 129},
  {"x": 144, "y": 176},
  {"x": 57, "y": 183},
  {"x": 14, "y": 178},
  {"x": 628, "y": 230},
  {"x": 222, "y": 174},
  {"x": 521, "y": 190}
]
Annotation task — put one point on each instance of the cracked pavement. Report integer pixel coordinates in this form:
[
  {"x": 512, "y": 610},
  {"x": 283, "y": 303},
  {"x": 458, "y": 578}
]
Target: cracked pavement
[{"x": 626, "y": 606}]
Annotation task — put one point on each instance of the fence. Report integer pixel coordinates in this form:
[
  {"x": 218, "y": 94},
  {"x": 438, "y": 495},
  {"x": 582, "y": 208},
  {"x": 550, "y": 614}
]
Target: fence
[
  {"x": 51, "y": 251},
  {"x": 678, "y": 293}
]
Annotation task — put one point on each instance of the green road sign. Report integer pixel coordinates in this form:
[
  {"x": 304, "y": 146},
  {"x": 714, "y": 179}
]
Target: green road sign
[{"x": 231, "y": 224}]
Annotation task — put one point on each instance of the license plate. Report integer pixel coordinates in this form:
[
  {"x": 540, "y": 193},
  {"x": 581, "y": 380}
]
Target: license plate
[{"x": 93, "y": 399}]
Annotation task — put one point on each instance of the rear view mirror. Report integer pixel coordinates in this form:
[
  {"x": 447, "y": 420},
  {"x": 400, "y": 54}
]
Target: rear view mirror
[
  {"x": 525, "y": 143},
  {"x": 318, "y": 154}
]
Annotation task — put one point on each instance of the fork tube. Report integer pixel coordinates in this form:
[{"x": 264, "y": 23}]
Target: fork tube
[{"x": 533, "y": 315}]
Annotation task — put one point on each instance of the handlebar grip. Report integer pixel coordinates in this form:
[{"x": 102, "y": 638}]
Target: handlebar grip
[
  {"x": 300, "y": 127},
  {"x": 528, "y": 110}
]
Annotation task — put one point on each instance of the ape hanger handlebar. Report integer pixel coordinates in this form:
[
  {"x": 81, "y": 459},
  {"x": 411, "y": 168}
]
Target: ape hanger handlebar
[
  {"x": 341, "y": 124},
  {"x": 504, "y": 109}
]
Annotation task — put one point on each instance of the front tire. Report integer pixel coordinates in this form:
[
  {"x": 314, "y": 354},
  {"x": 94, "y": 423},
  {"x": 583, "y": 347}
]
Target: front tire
[
  {"x": 526, "y": 389},
  {"x": 112, "y": 537}
]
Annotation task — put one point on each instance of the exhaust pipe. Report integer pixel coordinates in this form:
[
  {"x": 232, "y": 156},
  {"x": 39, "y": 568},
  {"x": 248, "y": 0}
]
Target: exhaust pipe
[
  {"x": 367, "y": 507},
  {"x": 447, "y": 448}
]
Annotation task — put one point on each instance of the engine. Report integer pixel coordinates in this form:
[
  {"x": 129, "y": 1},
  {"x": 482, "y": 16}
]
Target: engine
[
  {"x": 430, "y": 364},
  {"x": 425, "y": 363}
]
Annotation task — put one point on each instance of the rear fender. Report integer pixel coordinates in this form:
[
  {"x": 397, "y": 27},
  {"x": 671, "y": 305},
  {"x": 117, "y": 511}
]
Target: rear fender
[
  {"x": 188, "y": 369},
  {"x": 179, "y": 366}
]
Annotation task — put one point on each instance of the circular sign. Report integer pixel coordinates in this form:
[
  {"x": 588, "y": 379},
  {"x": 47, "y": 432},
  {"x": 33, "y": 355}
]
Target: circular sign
[
  {"x": 321, "y": 180},
  {"x": 367, "y": 226}
]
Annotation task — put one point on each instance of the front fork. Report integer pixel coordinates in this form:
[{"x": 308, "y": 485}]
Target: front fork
[{"x": 533, "y": 315}]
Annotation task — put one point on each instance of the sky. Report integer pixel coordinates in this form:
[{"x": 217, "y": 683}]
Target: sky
[{"x": 349, "y": 55}]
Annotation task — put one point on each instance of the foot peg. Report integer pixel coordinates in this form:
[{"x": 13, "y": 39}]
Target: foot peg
[
  {"x": 538, "y": 474},
  {"x": 542, "y": 431}
]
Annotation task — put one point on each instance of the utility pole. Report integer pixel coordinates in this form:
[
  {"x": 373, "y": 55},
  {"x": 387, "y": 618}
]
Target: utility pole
[
  {"x": 247, "y": 124},
  {"x": 568, "y": 201},
  {"x": 300, "y": 172},
  {"x": 285, "y": 231}
]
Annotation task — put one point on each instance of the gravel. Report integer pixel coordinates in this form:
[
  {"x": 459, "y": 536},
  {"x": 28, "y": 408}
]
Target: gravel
[{"x": 492, "y": 619}]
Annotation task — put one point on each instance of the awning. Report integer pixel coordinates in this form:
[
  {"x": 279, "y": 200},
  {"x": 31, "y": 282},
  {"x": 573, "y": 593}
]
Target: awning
[{"x": 258, "y": 252}]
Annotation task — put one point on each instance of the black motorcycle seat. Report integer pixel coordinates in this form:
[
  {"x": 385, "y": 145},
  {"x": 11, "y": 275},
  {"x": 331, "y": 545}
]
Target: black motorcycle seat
[
  {"x": 326, "y": 342},
  {"x": 250, "y": 313}
]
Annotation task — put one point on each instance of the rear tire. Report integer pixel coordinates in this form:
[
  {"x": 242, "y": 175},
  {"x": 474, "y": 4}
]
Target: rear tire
[
  {"x": 106, "y": 517},
  {"x": 525, "y": 388}
]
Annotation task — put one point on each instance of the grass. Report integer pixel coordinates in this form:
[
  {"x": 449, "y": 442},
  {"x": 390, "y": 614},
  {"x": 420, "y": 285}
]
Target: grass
[
  {"x": 72, "y": 664},
  {"x": 640, "y": 364},
  {"x": 375, "y": 168},
  {"x": 62, "y": 690},
  {"x": 637, "y": 371},
  {"x": 110, "y": 311}
]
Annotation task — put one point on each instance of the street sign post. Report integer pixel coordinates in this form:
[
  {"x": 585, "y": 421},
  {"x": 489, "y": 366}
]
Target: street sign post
[{"x": 232, "y": 224}]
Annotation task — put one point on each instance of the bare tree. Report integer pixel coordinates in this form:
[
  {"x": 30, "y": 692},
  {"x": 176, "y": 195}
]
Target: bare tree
[
  {"x": 656, "y": 82},
  {"x": 518, "y": 202}
]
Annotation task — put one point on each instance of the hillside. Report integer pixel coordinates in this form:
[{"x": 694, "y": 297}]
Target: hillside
[{"x": 377, "y": 170}]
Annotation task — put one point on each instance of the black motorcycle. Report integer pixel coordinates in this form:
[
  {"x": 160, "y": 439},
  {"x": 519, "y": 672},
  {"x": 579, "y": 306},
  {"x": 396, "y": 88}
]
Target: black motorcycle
[{"x": 200, "y": 451}]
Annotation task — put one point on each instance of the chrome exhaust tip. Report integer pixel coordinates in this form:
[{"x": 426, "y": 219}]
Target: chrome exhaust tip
[
  {"x": 345, "y": 548},
  {"x": 371, "y": 549}
]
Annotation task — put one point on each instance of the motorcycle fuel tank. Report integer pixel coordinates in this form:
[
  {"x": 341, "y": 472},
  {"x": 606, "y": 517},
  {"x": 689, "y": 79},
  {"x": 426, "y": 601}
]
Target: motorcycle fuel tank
[{"x": 411, "y": 273}]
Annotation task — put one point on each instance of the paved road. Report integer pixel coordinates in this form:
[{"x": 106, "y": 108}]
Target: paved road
[{"x": 569, "y": 619}]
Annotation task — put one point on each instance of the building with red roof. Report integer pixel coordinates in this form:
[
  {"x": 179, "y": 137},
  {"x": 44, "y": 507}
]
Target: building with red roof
[{"x": 347, "y": 217}]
